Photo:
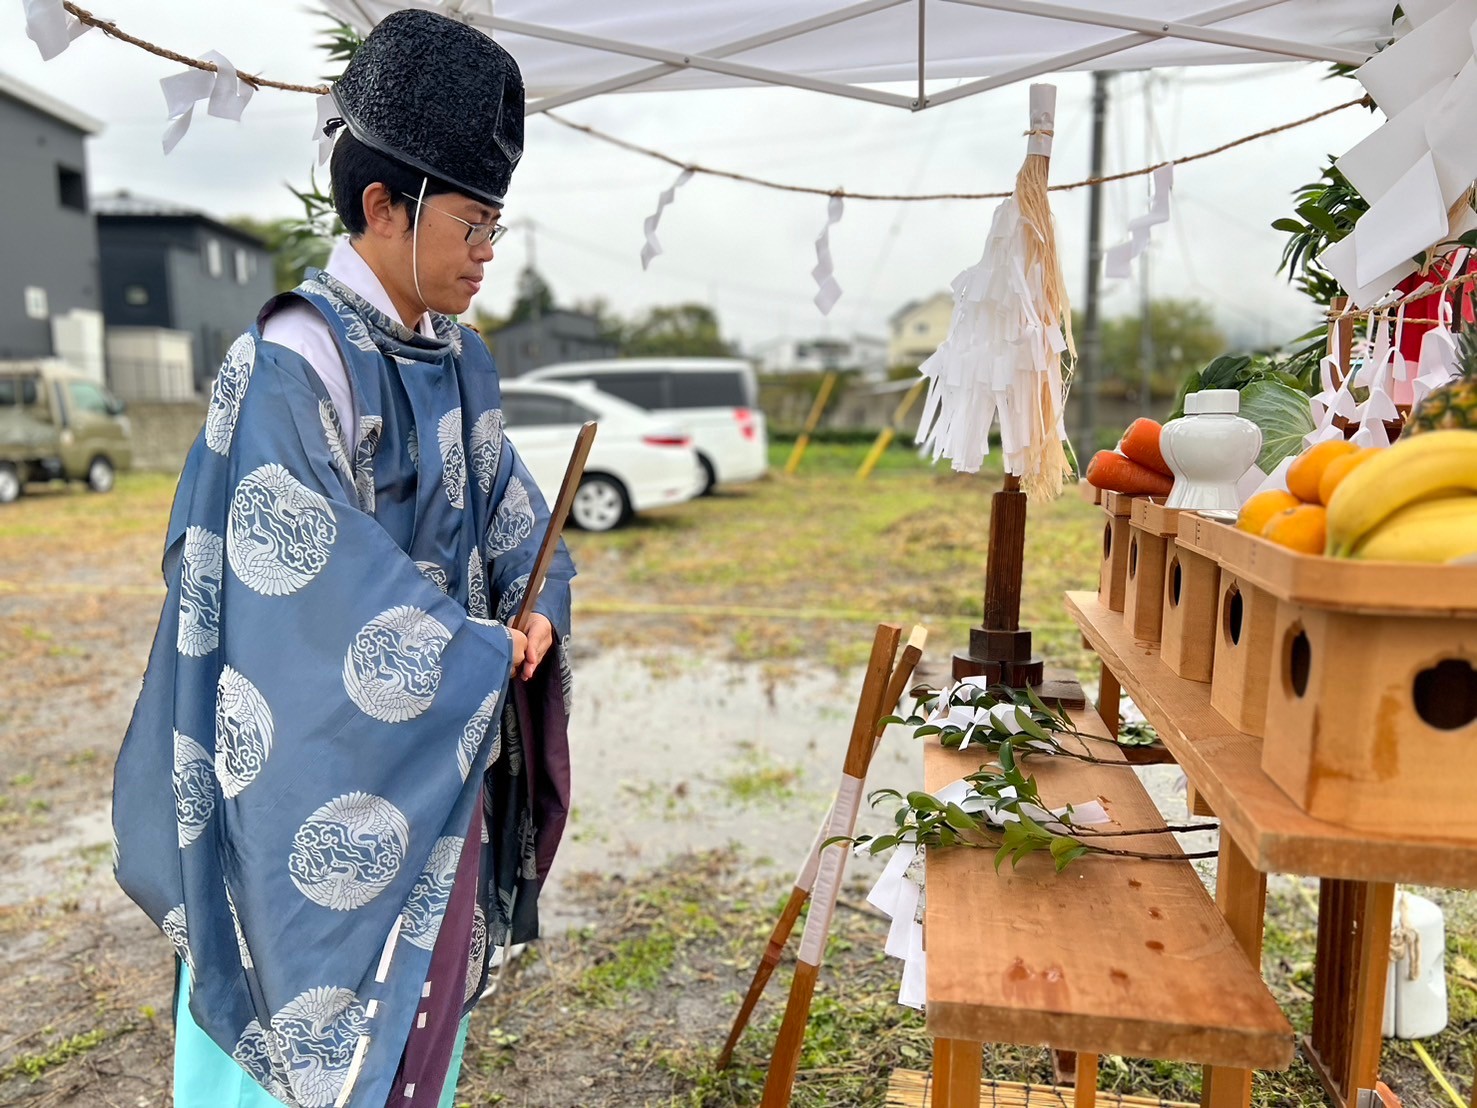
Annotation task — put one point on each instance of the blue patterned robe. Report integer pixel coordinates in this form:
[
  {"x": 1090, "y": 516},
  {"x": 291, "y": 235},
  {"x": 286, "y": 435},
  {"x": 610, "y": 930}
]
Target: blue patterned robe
[{"x": 327, "y": 698}]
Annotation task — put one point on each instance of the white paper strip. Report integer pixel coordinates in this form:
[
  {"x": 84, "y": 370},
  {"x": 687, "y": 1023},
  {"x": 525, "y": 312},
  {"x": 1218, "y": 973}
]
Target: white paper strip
[
  {"x": 828, "y": 290},
  {"x": 914, "y": 989},
  {"x": 51, "y": 27},
  {"x": 1400, "y": 224},
  {"x": 1451, "y": 137},
  {"x": 383, "y": 970},
  {"x": 1341, "y": 259},
  {"x": 1377, "y": 161},
  {"x": 653, "y": 247},
  {"x": 1118, "y": 261},
  {"x": 1043, "y": 119},
  {"x": 885, "y": 892},
  {"x": 1401, "y": 74},
  {"x": 227, "y": 94}
]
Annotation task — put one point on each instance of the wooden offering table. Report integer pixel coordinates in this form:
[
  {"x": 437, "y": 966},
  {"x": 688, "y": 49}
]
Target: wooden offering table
[
  {"x": 1115, "y": 955},
  {"x": 1263, "y": 831}
]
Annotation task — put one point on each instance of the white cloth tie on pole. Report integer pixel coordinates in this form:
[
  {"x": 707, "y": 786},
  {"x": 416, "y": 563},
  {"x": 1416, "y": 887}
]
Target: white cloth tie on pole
[
  {"x": 1118, "y": 262},
  {"x": 828, "y": 290},
  {"x": 51, "y": 27},
  {"x": 227, "y": 94},
  {"x": 654, "y": 247}
]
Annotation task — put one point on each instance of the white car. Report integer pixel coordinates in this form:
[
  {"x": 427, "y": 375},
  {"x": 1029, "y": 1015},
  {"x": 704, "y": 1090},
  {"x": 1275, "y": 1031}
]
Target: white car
[
  {"x": 716, "y": 399},
  {"x": 637, "y": 461}
]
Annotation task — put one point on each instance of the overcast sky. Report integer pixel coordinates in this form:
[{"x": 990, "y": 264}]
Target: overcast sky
[{"x": 748, "y": 251}]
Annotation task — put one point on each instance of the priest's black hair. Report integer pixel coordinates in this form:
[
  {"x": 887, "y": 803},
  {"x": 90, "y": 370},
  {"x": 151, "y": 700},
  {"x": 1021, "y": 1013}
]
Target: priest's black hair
[{"x": 354, "y": 167}]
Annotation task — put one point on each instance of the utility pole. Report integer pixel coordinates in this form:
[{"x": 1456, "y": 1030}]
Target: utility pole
[
  {"x": 1146, "y": 332},
  {"x": 1089, "y": 366}
]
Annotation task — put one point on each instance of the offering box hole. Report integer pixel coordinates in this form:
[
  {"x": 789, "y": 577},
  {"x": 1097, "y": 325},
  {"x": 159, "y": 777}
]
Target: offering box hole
[
  {"x": 1133, "y": 558},
  {"x": 1297, "y": 660},
  {"x": 1174, "y": 583},
  {"x": 1107, "y": 539},
  {"x": 1232, "y": 609},
  {"x": 1445, "y": 695}
]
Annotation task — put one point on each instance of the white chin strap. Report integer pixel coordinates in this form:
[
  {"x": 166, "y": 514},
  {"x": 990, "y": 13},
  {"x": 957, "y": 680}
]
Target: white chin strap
[{"x": 415, "y": 226}]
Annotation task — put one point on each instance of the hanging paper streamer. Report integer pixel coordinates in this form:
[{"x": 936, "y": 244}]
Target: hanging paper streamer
[
  {"x": 828, "y": 290},
  {"x": 653, "y": 247},
  {"x": 1118, "y": 263},
  {"x": 227, "y": 93},
  {"x": 1011, "y": 326},
  {"x": 51, "y": 27}
]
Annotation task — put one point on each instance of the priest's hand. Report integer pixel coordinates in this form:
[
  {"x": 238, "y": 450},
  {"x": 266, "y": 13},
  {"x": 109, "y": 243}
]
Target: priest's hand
[
  {"x": 540, "y": 638},
  {"x": 520, "y": 648}
]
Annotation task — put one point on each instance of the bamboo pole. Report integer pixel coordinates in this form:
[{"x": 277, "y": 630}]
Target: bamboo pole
[
  {"x": 897, "y": 686},
  {"x": 888, "y": 433},
  {"x": 811, "y": 422},
  {"x": 785, "y": 1061}
]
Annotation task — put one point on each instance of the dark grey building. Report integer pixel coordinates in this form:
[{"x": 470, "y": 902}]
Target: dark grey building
[
  {"x": 558, "y": 335},
  {"x": 47, "y": 239},
  {"x": 166, "y": 266}
]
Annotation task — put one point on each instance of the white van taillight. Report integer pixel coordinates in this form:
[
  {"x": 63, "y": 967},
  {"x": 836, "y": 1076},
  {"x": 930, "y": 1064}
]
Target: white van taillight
[
  {"x": 745, "y": 419},
  {"x": 667, "y": 440}
]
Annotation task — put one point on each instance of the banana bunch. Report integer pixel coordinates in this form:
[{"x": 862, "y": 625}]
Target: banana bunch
[{"x": 1415, "y": 502}]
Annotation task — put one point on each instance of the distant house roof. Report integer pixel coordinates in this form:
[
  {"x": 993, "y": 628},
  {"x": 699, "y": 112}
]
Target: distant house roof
[
  {"x": 913, "y": 305},
  {"x": 48, "y": 105},
  {"x": 125, "y": 205}
]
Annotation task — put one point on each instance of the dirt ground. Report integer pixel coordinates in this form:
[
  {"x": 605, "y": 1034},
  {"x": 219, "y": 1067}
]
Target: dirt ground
[{"x": 666, "y": 889}]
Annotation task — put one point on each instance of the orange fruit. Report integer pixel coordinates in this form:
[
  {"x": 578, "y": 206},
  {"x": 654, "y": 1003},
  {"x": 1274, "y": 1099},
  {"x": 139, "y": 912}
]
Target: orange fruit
[
  {"x": 1336, "y": 470},
  {"x": 1262, "y": 507},
  {"x": 1307, "y": 470},
  {"x": 1303, "y": 528}
]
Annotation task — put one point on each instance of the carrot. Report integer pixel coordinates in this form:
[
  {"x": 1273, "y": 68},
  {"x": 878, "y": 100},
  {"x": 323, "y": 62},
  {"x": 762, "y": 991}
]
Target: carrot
[
  {"x": 1140, "y": 443},
  {"x": 1112, "y": 471}
]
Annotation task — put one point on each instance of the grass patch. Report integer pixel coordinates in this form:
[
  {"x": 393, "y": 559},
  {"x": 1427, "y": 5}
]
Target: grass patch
[
  {"x": 804, "y": 566},
  {"x": 758, "y": 780},
  {"x": 34, "y": 1065}
]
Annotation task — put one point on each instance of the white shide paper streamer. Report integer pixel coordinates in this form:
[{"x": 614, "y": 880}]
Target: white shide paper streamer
[
  {"x": 654, "y": 247},
  {"x": 1118, "y": 262},
  {"x": 228, "y": 96},
  {"x": 828, "y": 290},
  {"x": 51, "y": 27}
]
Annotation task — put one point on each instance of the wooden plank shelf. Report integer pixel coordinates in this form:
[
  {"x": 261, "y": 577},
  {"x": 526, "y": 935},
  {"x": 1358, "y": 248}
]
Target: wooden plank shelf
[
  {"x": 1224, "y": 765},
  {"x": 1113, "y": 956}
]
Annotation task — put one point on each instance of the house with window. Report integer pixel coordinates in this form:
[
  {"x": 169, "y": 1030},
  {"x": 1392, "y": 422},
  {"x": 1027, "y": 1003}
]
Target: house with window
[
  {"x": 556, "y": 335},
  {"x": 919, "y": 327},
  {"x": 865, "y": 355},
  {"x": 49, "y": 286},
  {"x": 166, "y": 268}
]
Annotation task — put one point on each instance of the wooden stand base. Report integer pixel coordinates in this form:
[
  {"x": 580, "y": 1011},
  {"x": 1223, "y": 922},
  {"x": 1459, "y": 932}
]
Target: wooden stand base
[{"x": 1015, "y": 674}]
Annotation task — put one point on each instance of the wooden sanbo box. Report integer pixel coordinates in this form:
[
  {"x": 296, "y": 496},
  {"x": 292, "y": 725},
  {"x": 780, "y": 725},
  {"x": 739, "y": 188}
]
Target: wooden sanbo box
[
  {"x": 1113, "y": 573},
  {"x": 1191, "y": 591},
  {"x": 1149, "y": 530}
]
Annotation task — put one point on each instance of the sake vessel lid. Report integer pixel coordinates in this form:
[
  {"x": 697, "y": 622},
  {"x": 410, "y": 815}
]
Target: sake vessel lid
[{"x": 1215, "y": 402}]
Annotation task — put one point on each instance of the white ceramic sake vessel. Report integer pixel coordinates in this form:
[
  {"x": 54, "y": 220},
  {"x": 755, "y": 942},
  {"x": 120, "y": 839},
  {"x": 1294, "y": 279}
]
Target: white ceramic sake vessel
[{"x": 1209, "y": 450}]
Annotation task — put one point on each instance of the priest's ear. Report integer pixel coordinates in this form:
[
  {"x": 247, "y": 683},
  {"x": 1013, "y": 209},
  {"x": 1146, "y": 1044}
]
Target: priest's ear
[{"x": 384, "y": 217}]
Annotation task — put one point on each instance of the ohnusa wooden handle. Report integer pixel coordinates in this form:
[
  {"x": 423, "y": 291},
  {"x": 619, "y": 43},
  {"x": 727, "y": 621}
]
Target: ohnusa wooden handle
[{"x": 558, "y": 514}]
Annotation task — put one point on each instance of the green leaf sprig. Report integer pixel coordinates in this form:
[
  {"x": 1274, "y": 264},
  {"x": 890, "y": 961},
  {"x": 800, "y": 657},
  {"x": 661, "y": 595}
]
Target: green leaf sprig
[
  {"x": 1003, "y": 714},
  {"x": 1007, "y": 791}
]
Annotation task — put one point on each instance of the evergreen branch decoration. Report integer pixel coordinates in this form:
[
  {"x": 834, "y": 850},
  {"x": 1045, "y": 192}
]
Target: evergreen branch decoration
[{"x": 1002, "y": 810}]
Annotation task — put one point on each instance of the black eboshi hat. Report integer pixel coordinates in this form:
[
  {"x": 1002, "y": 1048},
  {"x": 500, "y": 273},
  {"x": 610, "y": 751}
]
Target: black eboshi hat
[{"x": 440, "y": 97}]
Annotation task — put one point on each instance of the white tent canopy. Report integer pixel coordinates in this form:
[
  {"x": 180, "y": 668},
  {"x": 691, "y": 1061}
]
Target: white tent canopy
[{"x": 570, "y": 50}]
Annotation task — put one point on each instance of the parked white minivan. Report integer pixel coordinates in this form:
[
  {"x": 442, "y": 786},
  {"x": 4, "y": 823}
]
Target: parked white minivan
[{"x": 715, "y": 399}]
